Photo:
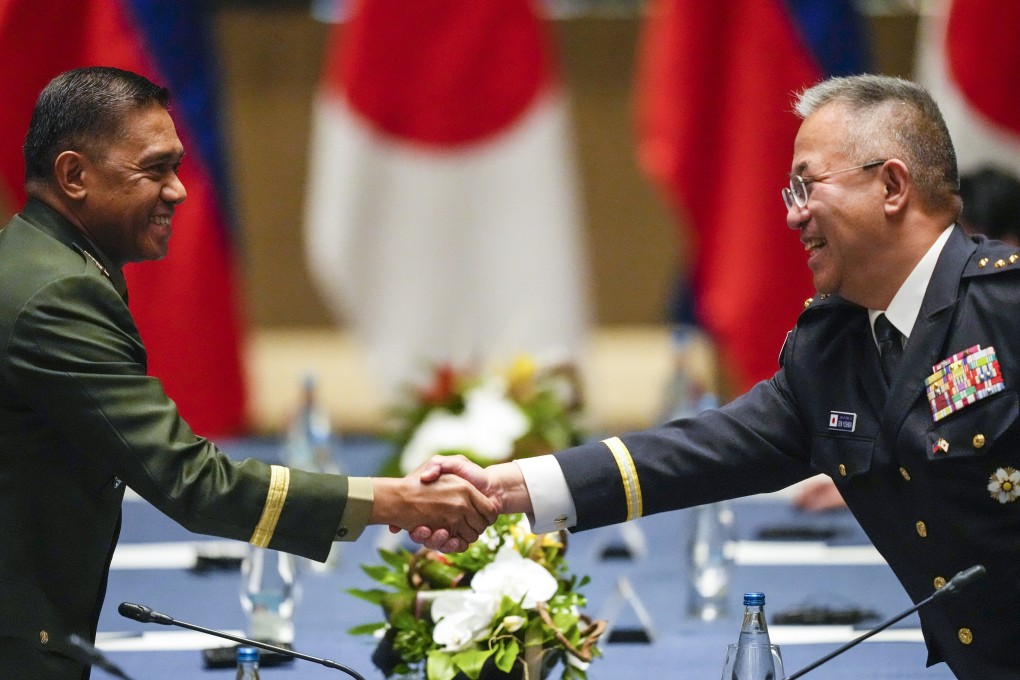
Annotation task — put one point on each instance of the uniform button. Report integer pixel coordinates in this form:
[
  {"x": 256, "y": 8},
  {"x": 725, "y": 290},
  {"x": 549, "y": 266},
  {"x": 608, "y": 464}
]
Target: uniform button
[
  {"x": 842, "y": 470},
  {"x": 807, "y": 303},
  {"x": 999, "y": 264},
  {"x": 978, "y": 441},
  {"x": 982, "y": 262},
  {"x": 939, "y": 583},
  {"x": 904, "y": 473},
  {"x": 922, "y": 530},
  {"x": 966, "y": 637},
  {"x": 44, "y": 637}
]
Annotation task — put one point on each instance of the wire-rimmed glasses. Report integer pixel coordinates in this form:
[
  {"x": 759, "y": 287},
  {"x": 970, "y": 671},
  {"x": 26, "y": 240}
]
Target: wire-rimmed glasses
[{"x": 796, "y": 194}]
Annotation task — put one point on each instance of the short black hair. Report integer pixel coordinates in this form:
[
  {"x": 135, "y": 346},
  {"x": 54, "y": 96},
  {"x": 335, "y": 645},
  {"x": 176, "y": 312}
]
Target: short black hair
[{"x": 79, "y": 110}]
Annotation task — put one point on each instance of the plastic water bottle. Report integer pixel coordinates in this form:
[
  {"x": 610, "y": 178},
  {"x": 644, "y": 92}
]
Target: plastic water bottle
[
  {"x": 710, "y": 561},
  {"x": 268, "y": 593},
  {"x": 754, "y": 654},
  {"x": 247, "y": 663},
  {"x": 309, "y": 433},
  {"x": 308, "y": 447}
]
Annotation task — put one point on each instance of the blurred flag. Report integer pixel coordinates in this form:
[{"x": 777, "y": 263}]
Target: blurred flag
[
  {"x": 442, "y": 218},
  {"x": 186, "y": 307},
  {"x": 716, "y": 130},
  {"x": 968, "y": 56}
]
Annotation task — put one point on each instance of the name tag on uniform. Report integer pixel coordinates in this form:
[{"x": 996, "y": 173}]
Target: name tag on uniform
[
  {"x": 962, "y": 379},
  {"x": 841, "y": 421}
]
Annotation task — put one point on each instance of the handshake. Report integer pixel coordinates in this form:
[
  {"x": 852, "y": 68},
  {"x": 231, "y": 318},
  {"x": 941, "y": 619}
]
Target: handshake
[{"x": 449, "y": 501}]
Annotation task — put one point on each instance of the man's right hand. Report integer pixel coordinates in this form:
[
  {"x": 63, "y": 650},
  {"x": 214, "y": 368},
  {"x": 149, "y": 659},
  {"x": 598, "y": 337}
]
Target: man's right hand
[
  {"x": 503, "y": 483},
  {"x": 450, "y": 504}
]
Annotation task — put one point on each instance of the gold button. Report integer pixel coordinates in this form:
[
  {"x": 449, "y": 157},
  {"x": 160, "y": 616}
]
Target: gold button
[
  {"x": 922, "y": 530},
  {"x": 1013, "y": 258},
  {"x": 978, "y": 441},
  {"x": 807, "y": 303},
  {"x": 999, "y": 264},
  {"x": 939, "y": 582},
  {"x": 44, "y": 637},
  {"x": 904, "y": 473},
  {"x": 842, "y": 470},
  {"x": 966, "y": 637},
  {"x": 982, "y": 262}
]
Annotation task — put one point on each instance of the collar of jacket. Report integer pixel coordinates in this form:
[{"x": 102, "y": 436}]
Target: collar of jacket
[{"x": 50, "y": 221}]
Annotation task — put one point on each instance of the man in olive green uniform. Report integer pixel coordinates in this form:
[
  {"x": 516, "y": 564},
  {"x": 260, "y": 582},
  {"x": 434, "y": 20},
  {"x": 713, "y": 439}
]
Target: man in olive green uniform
[{"x": 79, "y": 417}]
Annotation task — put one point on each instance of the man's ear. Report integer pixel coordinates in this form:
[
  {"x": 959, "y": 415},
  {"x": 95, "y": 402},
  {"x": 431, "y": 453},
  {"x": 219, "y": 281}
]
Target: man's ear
[
  {"x": 69, "y": 171},
  {"x": 898, "y": 185}
]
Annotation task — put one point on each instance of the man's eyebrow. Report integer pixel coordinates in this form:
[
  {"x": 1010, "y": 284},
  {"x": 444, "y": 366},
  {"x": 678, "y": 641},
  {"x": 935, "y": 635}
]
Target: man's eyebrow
[
  {"x": 801, "y": 167},
  {"x": 164, "y": 157}
]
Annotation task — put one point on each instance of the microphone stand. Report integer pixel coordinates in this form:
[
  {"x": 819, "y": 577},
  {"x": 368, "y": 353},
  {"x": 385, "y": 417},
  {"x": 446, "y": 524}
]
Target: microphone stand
[
  {"x": 145, "y": 615},
  {"x": 963, "y": 578},
  {"x": 86, "y": 653}
]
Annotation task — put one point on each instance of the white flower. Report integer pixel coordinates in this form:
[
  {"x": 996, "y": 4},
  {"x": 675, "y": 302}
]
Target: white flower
[
  {"x": 576, "y": 662},
  {"x": 462, "y": 618},
  {"x": 488, "y": 427},
  {"x": 1004, "y": 485},
  {"x": 513, "y": 623},
  {"x": 516, "y": 577}
]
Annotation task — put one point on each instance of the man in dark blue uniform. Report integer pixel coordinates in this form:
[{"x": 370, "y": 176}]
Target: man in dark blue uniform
[{"x": 899, "y": 381}]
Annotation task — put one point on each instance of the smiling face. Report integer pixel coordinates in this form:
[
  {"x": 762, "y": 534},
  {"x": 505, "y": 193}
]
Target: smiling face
[
  {"x": 843, "y": 226},
  {"x": 131, "y": 191}
]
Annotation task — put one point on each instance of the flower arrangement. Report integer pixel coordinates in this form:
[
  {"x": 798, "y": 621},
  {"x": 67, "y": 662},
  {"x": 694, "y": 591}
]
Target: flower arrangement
[
  {"x": 523, "y": 411},
  {"x": 505, "y": 608}
]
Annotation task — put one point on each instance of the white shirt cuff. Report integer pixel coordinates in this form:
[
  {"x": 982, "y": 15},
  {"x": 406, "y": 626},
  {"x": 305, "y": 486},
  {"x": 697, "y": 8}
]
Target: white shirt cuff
[{"x": 550, "y": 496}]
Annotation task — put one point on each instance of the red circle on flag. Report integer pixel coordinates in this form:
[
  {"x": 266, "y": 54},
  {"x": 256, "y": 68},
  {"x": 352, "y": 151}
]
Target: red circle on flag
[
  {"x": 982, "y": 55},
  {"x": 443, "y": 72}
]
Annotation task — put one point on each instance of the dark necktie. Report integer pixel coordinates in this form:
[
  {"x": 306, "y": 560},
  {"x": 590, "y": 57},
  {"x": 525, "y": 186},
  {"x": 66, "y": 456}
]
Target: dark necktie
[{"x": 890, "y": 346}]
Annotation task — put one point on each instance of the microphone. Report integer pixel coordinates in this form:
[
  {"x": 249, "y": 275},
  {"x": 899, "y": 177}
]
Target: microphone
[
  {"x": 142, "y": 613},
  {"x": 86, "y": 653},
  {"x": 964, "y": 578}
]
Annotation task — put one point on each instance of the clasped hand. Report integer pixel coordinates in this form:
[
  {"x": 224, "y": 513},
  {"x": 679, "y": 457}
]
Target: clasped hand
[
  {"x": 445, "y": 504},
  {"x": 449, "y": 501}
]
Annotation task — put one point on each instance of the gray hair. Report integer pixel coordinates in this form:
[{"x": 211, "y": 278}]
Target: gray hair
[{"x": 894, "y": 118}]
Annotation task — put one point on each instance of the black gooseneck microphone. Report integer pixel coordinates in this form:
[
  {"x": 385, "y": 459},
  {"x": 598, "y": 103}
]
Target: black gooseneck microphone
[
  {"x": 142, "y": 613},
  {"x": 965, "y": 577},
  {"x": 85, "y": 652}
]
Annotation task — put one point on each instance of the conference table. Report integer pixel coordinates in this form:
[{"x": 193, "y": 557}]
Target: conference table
[{"x": 638, "y": 582}]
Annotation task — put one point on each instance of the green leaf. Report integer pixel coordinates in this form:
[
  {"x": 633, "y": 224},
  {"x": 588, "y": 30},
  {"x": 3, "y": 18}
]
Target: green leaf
[
  {"x": 376, "y": 572},
  {"x": 471, "y": 661},
  {"x": 440, "y": 666},
  {"x": 373, "y": 596},
  {"x": 366, "y": 628},
  {"x": 506, "y": 655}
]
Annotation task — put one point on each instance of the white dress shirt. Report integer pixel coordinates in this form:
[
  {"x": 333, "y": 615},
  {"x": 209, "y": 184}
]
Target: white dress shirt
[{"x": 550, "y": 496}]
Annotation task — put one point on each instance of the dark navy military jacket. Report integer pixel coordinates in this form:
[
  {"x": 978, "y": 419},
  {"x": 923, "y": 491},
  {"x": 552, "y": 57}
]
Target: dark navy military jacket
[{"x": 922, "y": 489}]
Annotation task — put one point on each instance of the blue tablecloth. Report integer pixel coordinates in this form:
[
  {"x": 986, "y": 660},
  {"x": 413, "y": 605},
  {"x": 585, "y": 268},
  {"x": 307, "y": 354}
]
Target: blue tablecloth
[{"x": 681, "y": 648}]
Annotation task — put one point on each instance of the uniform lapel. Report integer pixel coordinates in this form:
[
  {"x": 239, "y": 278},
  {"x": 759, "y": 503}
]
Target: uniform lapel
[{"x": 926, "y": 344}]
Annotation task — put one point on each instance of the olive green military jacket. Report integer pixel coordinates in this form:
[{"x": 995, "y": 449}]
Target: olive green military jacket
[{"x": 79, "y": 420}]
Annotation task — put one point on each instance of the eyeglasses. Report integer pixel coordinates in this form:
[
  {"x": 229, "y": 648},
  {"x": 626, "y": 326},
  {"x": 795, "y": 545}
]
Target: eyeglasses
[{"x": 797, "y": 193}]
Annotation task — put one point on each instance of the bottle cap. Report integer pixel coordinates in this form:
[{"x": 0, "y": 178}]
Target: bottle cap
[
  {"x": 247, "y": 654},
  {"x": 754, "y": 599}
]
